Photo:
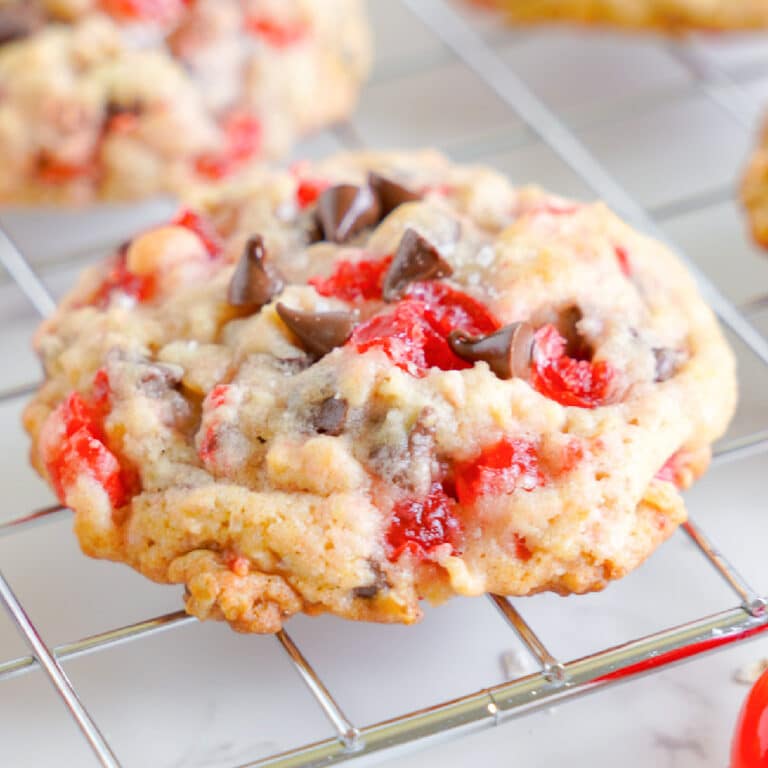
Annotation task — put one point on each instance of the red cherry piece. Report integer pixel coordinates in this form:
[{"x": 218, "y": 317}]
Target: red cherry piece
[
  {"x": 217, "y": 396},
  {"x": 53, "y": 171},
  {"x": 242, "y": 133},
  {"x": 623, "y": 258},
  {"x": 208, "y": 445},
  {"x": 408, "y": 338},
  {"x": 500, "y": 469},
  {"x": 276, "y": 33},
  {"x": 201, "y": 227},
  {"x": 451, "y": 310},
  {"x": 101, "y": 393},
  {"x": 308, "y": 190},
  {"x": 750, "y": 739},
  {"x": 82, "y": 452},
  {"x": 419, "y": 525},
  {"x": 144, "y": 10},
  {"x": 120, "y": 281},
  {"x": 413, "y": 334},
  {"x": 580, "y": 383},
  {"x": 521, "y": 548},
  {"x": 354, "y": 280}
]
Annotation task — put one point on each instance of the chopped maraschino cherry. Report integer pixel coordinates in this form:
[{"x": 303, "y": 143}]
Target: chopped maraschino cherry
[
  {"x": 623, "y": 258},
  {"x": 581, "y": 383},
  {"x": 499, "y": 470},
  {"x": 354, "y": 280},
  {"x": 81, "y": 452},
  {"x": 420, "y": 525},
  {"x": 308, "y": 190},
  {"x": 277, "y": 33},
  {"x": 53, "y": 171},
  {"x": 450, "y": 309},
  {"x": 414, "y": 333},
  {"x": 242, "y": 134},
  {"x": 144, "y": 10},
  {"x": 119, "y": 280},
  {"x": 201, "y": 227}
]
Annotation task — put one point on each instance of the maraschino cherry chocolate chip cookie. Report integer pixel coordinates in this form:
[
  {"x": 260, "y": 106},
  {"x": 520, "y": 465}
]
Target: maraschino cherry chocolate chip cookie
[
  {"x": 377, "y": 379},
  {"x": 665, "y": 15},
  {"x": 121, "y": 99}
]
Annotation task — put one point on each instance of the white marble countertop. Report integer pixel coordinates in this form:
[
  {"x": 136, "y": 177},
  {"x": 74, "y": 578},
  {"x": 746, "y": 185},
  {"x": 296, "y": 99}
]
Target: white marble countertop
[{"x": 201, "y": 696}]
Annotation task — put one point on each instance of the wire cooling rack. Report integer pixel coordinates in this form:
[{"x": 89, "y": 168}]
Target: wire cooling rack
[{"x": 556, "y": 679}]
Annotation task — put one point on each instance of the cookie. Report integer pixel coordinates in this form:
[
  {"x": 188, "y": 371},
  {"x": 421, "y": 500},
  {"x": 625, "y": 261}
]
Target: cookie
[
  {"x": 376, "y": 379},
  {"x": 754, "y": 190},
  {"x": 666, "y": 15},
  {"x": 121, "y": 99}
]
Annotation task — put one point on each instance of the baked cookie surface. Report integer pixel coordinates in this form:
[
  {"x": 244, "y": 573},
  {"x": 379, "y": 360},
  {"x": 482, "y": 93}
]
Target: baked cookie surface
[
  {"x": 665, "y": 15},
  {"x": 121, "y": 99},
  {"x": 754, "y": 190},
  {"x": 376, "y": 379}
]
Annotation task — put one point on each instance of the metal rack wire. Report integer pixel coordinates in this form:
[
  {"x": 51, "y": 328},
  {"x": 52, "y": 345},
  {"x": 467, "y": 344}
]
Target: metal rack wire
[{"x": 555, "y": 680}]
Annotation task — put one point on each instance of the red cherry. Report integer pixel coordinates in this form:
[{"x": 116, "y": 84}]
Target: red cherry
[
  {"x": 354, "y": 280},
  {"x": 419, "y": 525},
  {"x": 242, "y": 134},
  {"x": 120, "y": 280},
  {"x": 750, "y": 739},
  {"x": 623, "y": 258},
  {"x": 276, "y": 33},
  {"x": 82, "y": 451},
  {"x": 408, "y": 338},
  {"x": 201, "y": 227},
  {"x": 144, "y": 10},
  {"x": 308, "y": 190},
  {"x": 568, "y": 381},
  {"x": 500, "y": 469}
]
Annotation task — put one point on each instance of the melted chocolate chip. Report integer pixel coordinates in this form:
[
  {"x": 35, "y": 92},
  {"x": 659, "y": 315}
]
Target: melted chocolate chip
[
  {"x": 255, "y": 281},
  {"x": 390, "y": 193},
  {"x": 379, "y": 582},
  {"x": 415, "y": 259},
  {"x": 19, "y": 21},
  {"x": 345, "y": 210},
  {"x": 331, "y": 416},
  {"x": 507, "y": 351},
  {"x": 667, "y": 362},
  {"x": 318, "y": 332}
]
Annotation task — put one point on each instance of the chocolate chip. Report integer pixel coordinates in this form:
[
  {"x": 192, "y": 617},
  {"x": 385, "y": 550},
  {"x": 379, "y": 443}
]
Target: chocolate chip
[
  {"x": 115, "y": 109},
  {"x": 379, "y": 582},
  {"x": 158, "y": 378},
  {"x": 345, "y": 210},
  {"x": 507, "y": 351},
  {"x": 415, "y": 259},
  {"x": 667, "y": 362},
  {"x": 255, "y": 281},
  {"x": 318, "y": 332},
  {"x": 390, "y": 193},
  {"x": 19, "y": 21},
  {"x": 331, "y": 416},
  {"x": 576, "y": 346}
]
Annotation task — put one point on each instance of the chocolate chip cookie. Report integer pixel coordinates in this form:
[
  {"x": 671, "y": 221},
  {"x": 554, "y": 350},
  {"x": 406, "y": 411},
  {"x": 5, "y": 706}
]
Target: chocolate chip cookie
[
  {"x": 673, "y": 16},
  {"x": 374, "y": 380},
  {"x": 120, "y": 99}
]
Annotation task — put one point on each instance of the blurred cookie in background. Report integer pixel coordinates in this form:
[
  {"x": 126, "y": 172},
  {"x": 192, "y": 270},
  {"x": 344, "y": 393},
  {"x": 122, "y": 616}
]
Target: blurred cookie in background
[
  {"x": 123, "y": 99},
  {"x": 663, "y": 15}
]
